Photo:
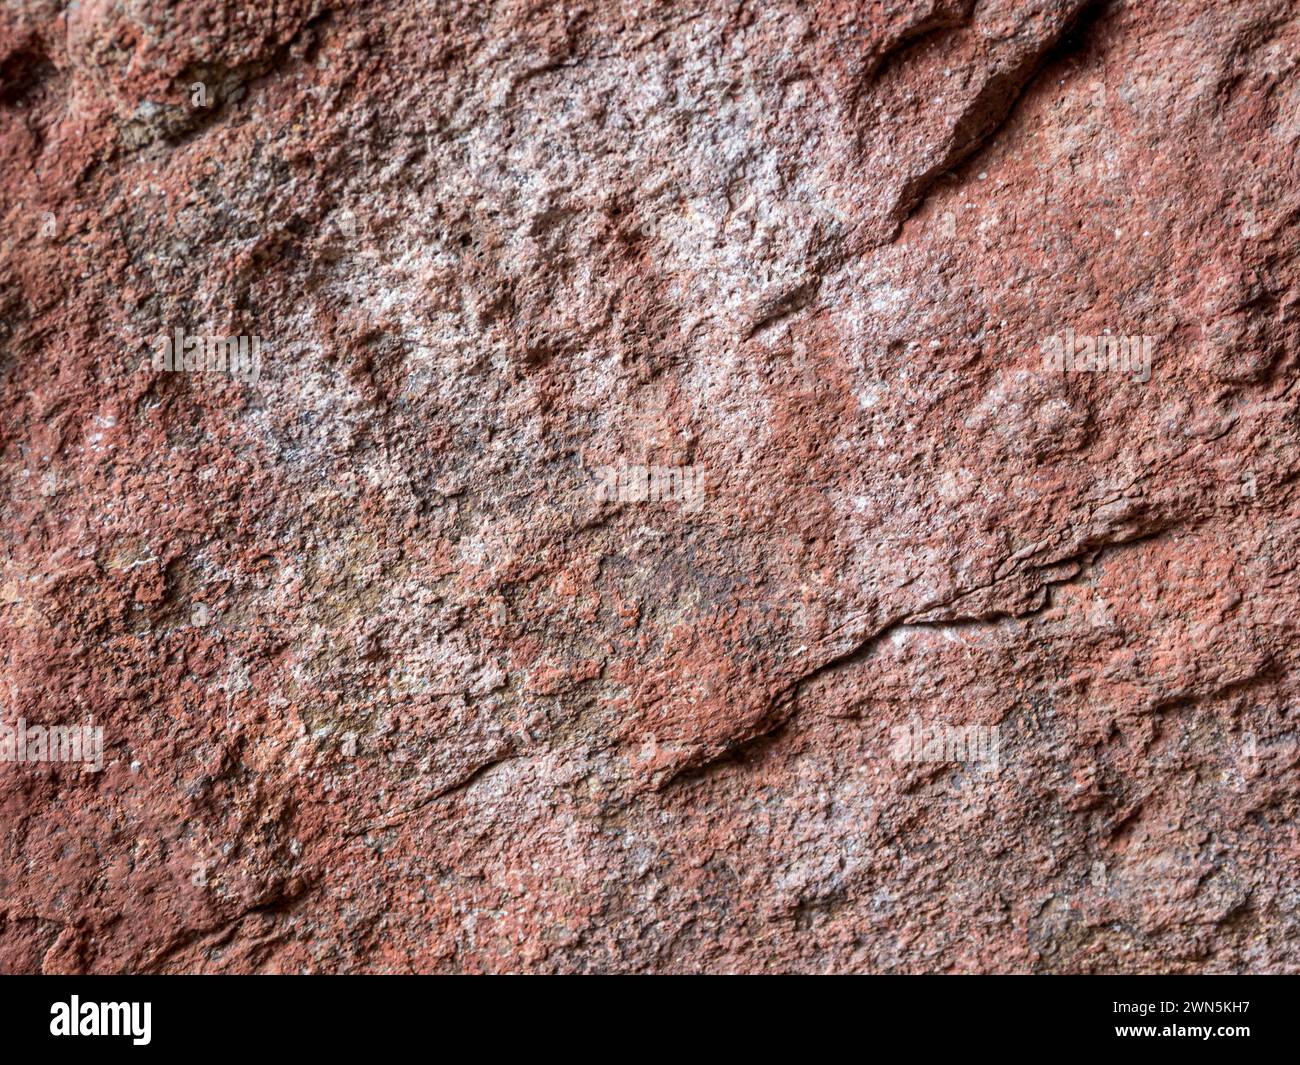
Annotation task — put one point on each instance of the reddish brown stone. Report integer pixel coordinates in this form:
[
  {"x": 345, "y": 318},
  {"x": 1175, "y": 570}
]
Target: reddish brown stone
[{"x": 424, "y": 650}]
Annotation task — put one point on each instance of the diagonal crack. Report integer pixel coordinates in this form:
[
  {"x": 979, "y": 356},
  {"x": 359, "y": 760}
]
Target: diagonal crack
[
  {"x": 980, "y": 120},
  {"x": 783, "y": 703}
]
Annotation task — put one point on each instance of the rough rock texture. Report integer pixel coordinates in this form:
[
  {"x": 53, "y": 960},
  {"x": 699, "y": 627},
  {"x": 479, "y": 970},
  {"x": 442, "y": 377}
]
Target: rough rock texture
[{"x": 388, "y": 685}]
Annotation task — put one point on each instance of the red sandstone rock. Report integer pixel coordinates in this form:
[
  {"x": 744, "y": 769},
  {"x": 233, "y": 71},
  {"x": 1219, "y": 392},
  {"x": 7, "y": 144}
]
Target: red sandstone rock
[{"x": 397, "y": 665}]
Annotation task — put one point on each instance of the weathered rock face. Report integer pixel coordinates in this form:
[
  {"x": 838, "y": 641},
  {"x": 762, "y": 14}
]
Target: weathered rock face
[{"x": 678, "y": 505}]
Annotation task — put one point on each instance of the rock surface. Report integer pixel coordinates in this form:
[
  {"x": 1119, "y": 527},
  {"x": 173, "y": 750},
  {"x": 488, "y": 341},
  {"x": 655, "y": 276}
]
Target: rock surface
[{"x": 395, "y": 675}]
